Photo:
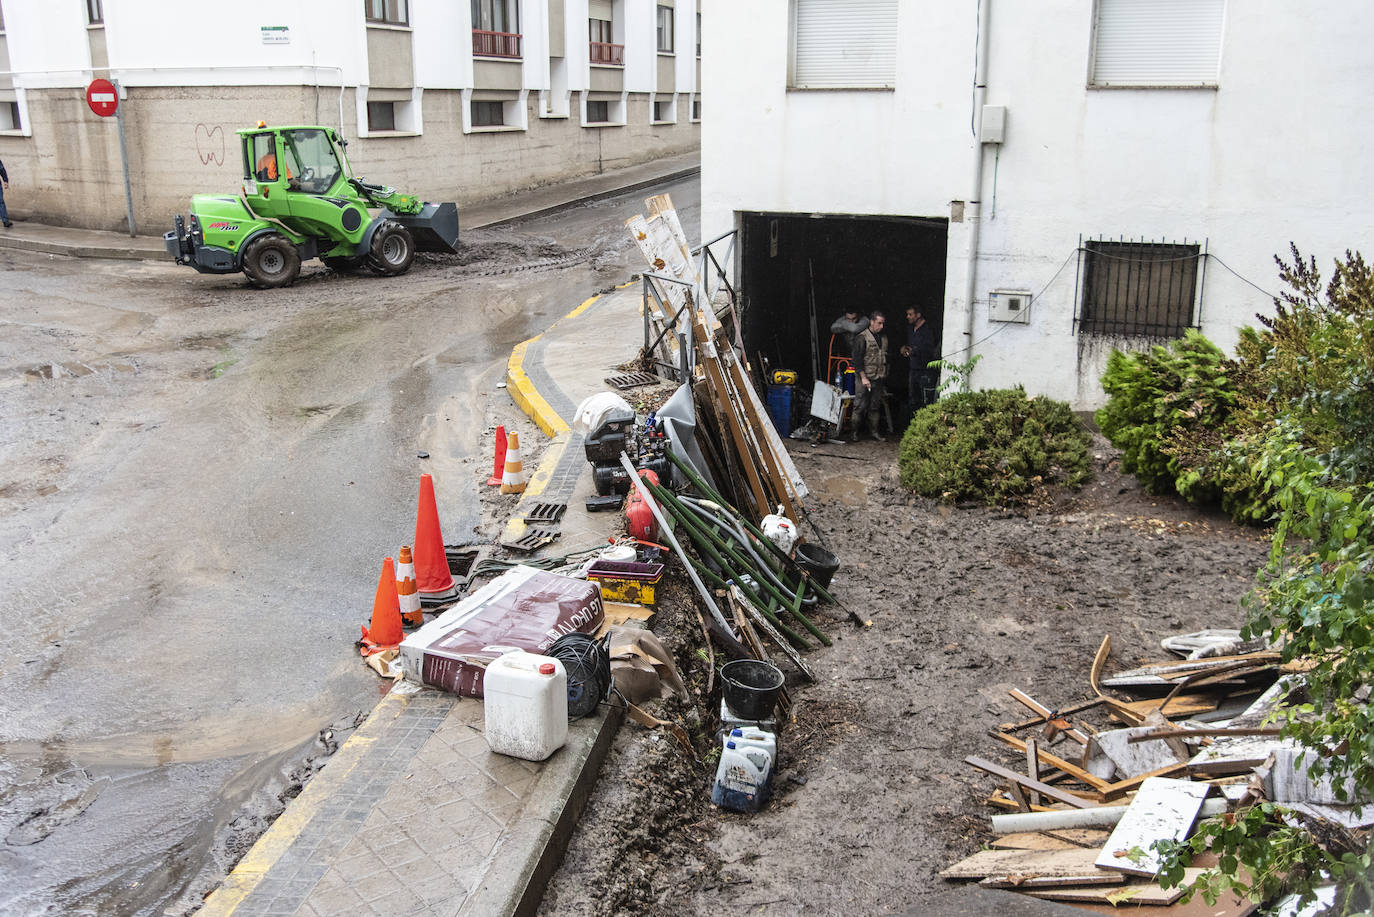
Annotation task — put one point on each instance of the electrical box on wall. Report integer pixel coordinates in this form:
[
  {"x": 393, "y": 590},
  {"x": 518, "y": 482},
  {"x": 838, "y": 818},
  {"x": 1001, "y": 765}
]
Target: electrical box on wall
[
  {"x": 994, "y": 125},
  {"x": 1009, "y": 306}
]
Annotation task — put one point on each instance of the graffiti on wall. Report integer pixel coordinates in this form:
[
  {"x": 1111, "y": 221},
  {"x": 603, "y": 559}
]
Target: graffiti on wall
[{"x": 210, "y": 144}]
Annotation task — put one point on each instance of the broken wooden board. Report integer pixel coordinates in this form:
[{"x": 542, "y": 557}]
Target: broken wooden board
[
  {"x": 1236, "y": 754},
  {"x": 1180, "y": 705},
  {"x": 1166, "y": 674},
  {"x": 1035, "y": 706},
  {"x": 1229, "y": 905},
  {"x": 1134, "y": 893},
  {"x": 984, "y": 863},
  {"x": 1068, "y": 767},
  {"x": 1164, "y": 809},
  {"x": 1044, "y": 789},
  {"x": 1066, "y": 839},
  {"x": 1025, "y": 883}
]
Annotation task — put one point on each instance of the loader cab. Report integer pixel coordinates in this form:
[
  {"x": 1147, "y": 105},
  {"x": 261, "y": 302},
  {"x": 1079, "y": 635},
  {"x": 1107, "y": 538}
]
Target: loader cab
[{"x": 303, "y": 159}]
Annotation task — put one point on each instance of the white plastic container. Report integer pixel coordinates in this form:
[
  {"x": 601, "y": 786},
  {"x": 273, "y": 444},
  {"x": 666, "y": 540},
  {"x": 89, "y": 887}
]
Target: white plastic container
[
  {"x": 743, "y": 778},
  {"x": 756, "y": 738},
  {"x": 526, "y": 701}
]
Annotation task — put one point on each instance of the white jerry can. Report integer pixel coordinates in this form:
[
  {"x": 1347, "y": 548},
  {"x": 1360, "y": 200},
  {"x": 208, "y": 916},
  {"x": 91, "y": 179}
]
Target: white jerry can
[{"x": 526, "y": 705}]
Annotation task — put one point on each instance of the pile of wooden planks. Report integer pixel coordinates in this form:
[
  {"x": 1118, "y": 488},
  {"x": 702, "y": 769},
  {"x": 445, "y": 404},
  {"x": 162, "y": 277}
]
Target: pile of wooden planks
[
  {"x": 1088, "y": 801},
  {"x": 734, "y": 431}
]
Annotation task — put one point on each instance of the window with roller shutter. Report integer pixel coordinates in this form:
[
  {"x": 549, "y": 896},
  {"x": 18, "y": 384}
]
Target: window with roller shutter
[
  {"x": 1173, "y": 44},
  {"x": 843, "y": 44}
]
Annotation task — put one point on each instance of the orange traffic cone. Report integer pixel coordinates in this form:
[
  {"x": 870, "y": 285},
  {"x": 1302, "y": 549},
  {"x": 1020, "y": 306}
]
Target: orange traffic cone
[
  {"x": 432, "y": 576},
  {"x": 500, "y": 457},
  {"x": 513, "y": 480},
  {"x": 411, "y": 615},
  {"x": 385, "y": 632}
]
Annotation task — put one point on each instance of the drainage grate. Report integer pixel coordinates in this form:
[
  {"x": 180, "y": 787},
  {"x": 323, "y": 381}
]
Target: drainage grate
[
  {"x": 533, "y": 539},
  {"x": 632, "y": 380},
  {"x": 460, "y": 559},
  {"x": 546, "y": 512}
]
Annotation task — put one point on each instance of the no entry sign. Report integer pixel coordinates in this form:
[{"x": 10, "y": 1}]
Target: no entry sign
[{"x": 102, "y": 98}]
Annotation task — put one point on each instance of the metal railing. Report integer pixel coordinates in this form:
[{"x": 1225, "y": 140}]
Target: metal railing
[
  {"x": 1137, "y": 288},
  {"x": 603, "y": 52},
  {"x": 495, "y": 44}
]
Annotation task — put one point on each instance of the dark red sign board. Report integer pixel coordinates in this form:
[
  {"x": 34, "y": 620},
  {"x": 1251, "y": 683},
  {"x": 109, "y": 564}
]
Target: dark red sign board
[{"x": 102, "y": 97}]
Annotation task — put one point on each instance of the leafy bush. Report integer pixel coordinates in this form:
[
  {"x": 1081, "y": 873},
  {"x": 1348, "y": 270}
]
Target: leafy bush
[
  {"x": 994, "y": 446},
  {"x": 1172, "y": 410}
]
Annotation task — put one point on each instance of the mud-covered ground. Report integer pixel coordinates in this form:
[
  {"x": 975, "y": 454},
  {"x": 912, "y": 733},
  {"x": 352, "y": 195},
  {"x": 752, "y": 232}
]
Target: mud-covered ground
[{"x": 872, "y": 798}]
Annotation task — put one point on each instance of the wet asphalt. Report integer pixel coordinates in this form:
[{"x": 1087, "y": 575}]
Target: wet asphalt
[{"x": 198, "y": 482}]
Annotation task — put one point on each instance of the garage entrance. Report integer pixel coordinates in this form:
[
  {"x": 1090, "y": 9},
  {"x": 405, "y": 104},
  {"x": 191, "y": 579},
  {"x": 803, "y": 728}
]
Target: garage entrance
[{"x": 787, "y": 259}]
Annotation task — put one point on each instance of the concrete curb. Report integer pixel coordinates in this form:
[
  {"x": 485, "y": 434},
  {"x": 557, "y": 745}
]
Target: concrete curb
[
  {"x": 516, "y": 881},
  {"x": 253, "y": 867},
  {"x": 527, "y": 397},
  {"x": 82, "y": 251},
  {"x": 579, "y": 199}
]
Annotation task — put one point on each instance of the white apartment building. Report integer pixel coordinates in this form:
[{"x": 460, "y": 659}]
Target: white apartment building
[
  {"x": 1048, "y": 179},
  {"x": 448, "y": 99}
]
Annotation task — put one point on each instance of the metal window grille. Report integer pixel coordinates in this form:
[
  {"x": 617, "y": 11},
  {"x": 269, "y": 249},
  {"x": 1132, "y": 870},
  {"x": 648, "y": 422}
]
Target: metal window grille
[
  {"x": 1139, "y": 289},
  {"x": 387, "y": 12}
]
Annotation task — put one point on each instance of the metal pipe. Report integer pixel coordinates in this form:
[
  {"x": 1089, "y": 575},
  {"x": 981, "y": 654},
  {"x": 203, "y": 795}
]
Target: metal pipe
[{"x": 973, "y": 206}]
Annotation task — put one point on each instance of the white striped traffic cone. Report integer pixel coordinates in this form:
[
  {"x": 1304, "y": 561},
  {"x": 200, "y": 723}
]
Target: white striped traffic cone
[
  {"x": 513, "y": 479},
  {"x": 411, "y": 615}
]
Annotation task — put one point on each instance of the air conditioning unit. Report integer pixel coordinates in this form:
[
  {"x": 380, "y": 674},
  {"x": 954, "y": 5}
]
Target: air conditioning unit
[{"x": 1009, "y": 306}]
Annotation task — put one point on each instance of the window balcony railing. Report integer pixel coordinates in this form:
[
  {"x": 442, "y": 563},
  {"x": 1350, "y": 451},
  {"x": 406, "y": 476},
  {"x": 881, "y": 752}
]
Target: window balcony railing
[
  {"x": 606, "y": 53},
  {"x": 495, "y": 44}
]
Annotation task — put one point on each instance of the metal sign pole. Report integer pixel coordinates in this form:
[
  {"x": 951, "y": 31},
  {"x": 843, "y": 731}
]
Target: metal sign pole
[{"x": 124, "y": 157}]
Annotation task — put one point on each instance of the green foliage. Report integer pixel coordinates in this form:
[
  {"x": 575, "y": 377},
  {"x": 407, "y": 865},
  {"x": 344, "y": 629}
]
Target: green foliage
[
  {"x": 1279, "y": 854},
  {"x": 956, "y": 374},
  {"x": 1304, "y": 429},
  {"x": 1171, "y": 411},
  {"x": 993, "y": 446}
]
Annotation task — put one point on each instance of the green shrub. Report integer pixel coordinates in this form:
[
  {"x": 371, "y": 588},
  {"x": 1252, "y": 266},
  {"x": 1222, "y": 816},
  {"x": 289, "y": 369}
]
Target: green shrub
[
  {"x": 1179, "y": 412},
  {"x": 993, "y": 446}
]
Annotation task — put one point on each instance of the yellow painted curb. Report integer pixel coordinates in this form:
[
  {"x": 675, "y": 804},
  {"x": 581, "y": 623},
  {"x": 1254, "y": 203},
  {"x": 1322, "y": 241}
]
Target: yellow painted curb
[
  {"x": 527, "y": 396},
  {"x": 253, "y": 868},
  {"x": 539, "y": 482}
]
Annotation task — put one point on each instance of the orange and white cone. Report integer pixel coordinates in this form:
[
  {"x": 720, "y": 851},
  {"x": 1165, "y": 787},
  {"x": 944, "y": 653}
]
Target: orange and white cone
[
  {"x": 409, "y": 596},
  {"x": 385, "y": 632},
  {"x": 513, "y": 479}
]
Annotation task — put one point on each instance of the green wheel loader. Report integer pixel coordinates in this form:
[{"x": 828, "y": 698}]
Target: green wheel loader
[{"x": 299, "y": 200}]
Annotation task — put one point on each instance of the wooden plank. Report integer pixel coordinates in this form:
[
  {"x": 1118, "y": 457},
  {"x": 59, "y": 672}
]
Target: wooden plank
[
  {"x": 1044, "y": 789},
  {"x": 1164, "y": 809},
  {"x": 788, "y": 482},
  {"x": 1121, "y": 788},
  {"x": 1036, "y": 707},
  {"x": 709, "y": 360},
  {"x": 1068, "y": 767},
  {"x": 1052, "y": 840},
  {"x": 984, "y": 863},
  {"x": 1000, "y": 801},
  {"x": 1025, "y": 883},
  {"x": 1064, "y": 711},
  {"x": 1176, "y": 706},
  {"x": 1033, "y": 767},
  {"x": 1135, "y": 893}
]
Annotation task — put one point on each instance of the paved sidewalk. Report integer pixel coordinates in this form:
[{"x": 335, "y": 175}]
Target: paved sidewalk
[
  {"x": 414, "y": 815},
  {"x": 28, "y": 235}
]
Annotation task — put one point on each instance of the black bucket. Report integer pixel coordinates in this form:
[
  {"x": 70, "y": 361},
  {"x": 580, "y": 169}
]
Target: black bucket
[
  {"x": 819, "y": 562},
  {"x": 751, "y": 688}
]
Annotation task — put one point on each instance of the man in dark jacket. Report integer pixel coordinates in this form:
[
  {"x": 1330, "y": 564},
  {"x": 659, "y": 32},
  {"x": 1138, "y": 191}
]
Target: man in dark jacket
[
  {"x": 919, "y": 351},
  {"x": 4, "y": 185},
  {"x": 870, "y": 359}
]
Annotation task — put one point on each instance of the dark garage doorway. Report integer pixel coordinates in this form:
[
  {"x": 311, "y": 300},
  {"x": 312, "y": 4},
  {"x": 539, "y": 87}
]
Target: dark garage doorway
[{"x": 886, "y": 263}]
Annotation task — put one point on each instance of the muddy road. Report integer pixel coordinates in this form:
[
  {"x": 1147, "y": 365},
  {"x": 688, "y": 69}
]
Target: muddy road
[
  {"x": 873, "y": 798},
  {"x": 198, "y": 482}
]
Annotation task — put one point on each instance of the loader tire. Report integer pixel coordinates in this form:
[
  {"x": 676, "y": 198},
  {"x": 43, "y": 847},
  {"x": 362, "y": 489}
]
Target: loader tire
[
  {"x": 392, "y": 249},
  {"x": 271, "y": 261}
]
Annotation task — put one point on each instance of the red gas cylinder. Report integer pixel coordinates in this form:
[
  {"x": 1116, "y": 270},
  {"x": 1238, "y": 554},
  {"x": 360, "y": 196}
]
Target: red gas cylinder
[{"x": 639, "y": 518}]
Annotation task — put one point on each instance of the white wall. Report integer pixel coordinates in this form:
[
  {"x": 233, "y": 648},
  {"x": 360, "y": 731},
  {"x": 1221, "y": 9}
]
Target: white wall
[{"x": 1276, "y": 153}]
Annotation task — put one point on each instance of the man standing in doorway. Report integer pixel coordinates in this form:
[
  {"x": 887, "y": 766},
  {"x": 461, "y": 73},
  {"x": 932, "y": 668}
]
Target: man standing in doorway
[
  {"x": 870, "y": 359},
  {"x": 919, "y": 351}
]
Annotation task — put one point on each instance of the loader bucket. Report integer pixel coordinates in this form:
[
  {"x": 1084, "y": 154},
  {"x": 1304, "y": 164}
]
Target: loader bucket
[{"x": 434, "y": 228}]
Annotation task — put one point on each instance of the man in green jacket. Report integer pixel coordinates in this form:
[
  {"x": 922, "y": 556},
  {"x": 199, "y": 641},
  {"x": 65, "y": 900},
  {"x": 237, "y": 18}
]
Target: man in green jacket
[{"x": 870, "y": 359}]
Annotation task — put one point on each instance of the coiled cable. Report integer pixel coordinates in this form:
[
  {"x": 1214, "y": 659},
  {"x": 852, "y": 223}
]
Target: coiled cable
[{"x": 588, "y": 664}]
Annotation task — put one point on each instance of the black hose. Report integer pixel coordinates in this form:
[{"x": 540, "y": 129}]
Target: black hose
[{"x": 588, "y": 665}]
